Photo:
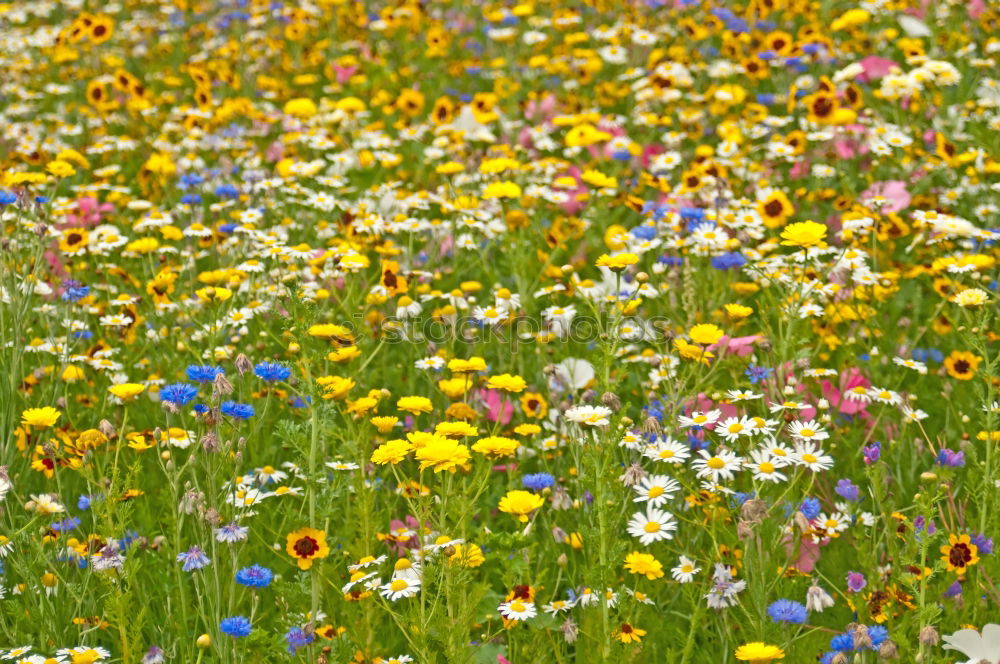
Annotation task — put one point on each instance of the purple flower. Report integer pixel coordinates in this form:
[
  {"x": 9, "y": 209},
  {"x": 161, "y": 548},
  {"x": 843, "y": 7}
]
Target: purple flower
[
  {"x": 872, "y": 452},
  {"x": 950, "y": 458},
  {"x": 954, "y": 590},
  {"x": 297, "y": 638},
  {"x": 920, "y": 522},
  {"x": 847, "y": 490},
  {"x": 153, "y": 656},
  {"x": 983, "y": 543},
  {"x": 856, "y": 582},
  {"x": 194, "y": 558}
]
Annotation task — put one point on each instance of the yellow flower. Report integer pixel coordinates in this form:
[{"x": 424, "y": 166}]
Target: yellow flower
[
  {"x": 504, "y": 189},
  {"x": 629, "y": 634},
  {"x": 344, "y": 354},
  {"x": 645, "y": 564},
  {"x": 335, "y": 387},
  {"x": 60, "y": 168},
  {"x": 691, "y": 351},
  {"x": 962, "y": 364},
  {"x": 599, "y": 179},
  {"x": 520, "y": 504},
  {"x": 384, "y": 423},
  {"x": 301, "y": 107},
  {"x": 331, "y": 331},
  {"x": 618, "y": 262},
  {"x": 459, "y": 365},
  {"x": 40, "y": 417},
  {"x": 738, "y": 311},
  {"x": 415, "y": 405},
  {"x": 392, "y": 452},
  {"x": 456, "y": 429},
  {"x": 970, "y": 297},
  {"x": 496, "y": 446},
  {"x": 803, "y": 234},
  {"x": 705, "y": 334},
  {"x": 467, "y": 555},
  {"x": 850, "y": 19},
  {"x": 127, "y": 391},
  {"x": 585, "y": 134},
  {"x": 213, "y": 293},
  {"x": 506, "y": 382},
  {"x": 442, "y": 453},
  {"x": 759, "y": 653},
  {"x": 361, "y": 407},
  {"x": 307, "y": 545}
]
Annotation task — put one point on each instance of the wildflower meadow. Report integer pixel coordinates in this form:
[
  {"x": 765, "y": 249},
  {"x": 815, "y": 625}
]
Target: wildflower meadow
[{"x": 499, "y": 332}]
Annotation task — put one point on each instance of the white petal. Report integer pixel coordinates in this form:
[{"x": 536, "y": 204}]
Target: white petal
[
  {"x": 913, "y": 27},
  {"x": 968, "y": 642}
]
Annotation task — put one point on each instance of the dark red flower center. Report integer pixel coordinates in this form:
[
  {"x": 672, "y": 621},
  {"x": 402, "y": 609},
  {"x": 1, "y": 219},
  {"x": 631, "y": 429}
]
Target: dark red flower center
[{"x": 306, "y": 547}]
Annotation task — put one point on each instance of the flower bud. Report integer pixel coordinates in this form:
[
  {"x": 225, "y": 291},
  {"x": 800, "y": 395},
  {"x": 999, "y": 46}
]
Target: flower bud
[
  {"x": 204, "y": 641},
  {"x": 929, "y": 636},
  {"x": 888, "y": 650}
]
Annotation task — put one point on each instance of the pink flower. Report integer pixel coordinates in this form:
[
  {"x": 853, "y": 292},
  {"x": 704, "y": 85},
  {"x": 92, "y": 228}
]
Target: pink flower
[
  {"x": 493, "y": 399},
  {"x": 851, "y": 378},
  {"x": 402, "y": 545},
  {"x": 875, "y": 68},
  {"x": 742, "y": 346},
  {"x": 88, "y": 212},
  {"x": 572, "y": 205},
  {"x": 892, "y": 190},
  {"x": 344, "y": 74},
  {"x": 541, "y": 111},
  {"x": 809, "y": 553}
]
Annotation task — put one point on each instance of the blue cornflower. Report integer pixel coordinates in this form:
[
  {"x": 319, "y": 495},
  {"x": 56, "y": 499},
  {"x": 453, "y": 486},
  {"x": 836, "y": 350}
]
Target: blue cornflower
[
  {"x": 236, "y": 627},
  {"x": 203, "y": 373},
  {"x": 272, "y": 372},
  {"x": 728, "y": 261},
  {"x": 227, "y": 191},
  {"x": 240, "y": 411},
  {"x": 66, "y": 525},
  {"x": 126, "y": 541},
  {"x": 757, "y": 374},
  {"x": 194, "y": 558},
  {"x": 86, "y": 500},
  {"x": 74, "y": 290},
  {"x": 847, "y": 490},
  {"x": 179, "y": 393},
  {"x": 842, "y": 642},
  {"x": 7, "y": 197},
  {"x": 191, "y": 199},
  {"x": 297, "y": 638},
  {"x": 254, "y": 576},
  {"x": 538, "y": 481},
  {"x": 787, "y": 611},
  {"x": 878, "y": 634},
  {"x": 811, "y": 508},
  {"x": 231, "y": 532},
  {"x": 643, "y": 232}
]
